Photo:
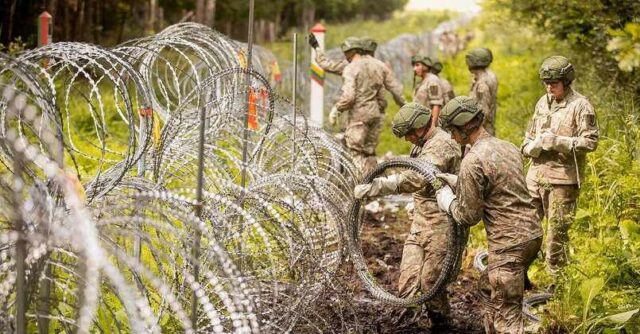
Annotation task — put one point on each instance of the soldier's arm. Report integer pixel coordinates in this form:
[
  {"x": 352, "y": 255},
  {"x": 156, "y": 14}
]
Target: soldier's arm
[
  {"x": 413, "y": 181},
  {"x": 588, "y": 132},
  {"x": 330, "y": 65},
  {"x": 530, "y": 133},
  {"x": 483, "y": 97},
  {"x": 468, "y": 207},
  {"x": 436, "y": 100},
  {"x": 394, "y": 87},
  {"x": 348, "y": 97}
]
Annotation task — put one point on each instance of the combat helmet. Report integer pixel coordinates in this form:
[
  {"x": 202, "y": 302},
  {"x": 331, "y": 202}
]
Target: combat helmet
[
  {"x": 410, "y": 117},
  {"x": 437, "y": 66},
  {"x": 556, "y": 68},
  {"x": 369, "y": 44},
  {"x": 425, "y": 60},
  {"x": 352, "y": 43},
  {"x": 479, "y": 58},
  {"x": 458, "y": 111}
]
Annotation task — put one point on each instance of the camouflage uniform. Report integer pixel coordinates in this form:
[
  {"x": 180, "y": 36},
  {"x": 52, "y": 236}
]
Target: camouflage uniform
[
  {"x": 392, "y": 84},
  {"x": 447, "y": 90},
  {"x": 553, "y": 178},
  {"x": 426, "y": 246},
  {"x": 491, "y": 186},
  {"x": 484, "y": 89},
  {"x": 429, "y": 92},
  {"x": 363, "y": 80}
]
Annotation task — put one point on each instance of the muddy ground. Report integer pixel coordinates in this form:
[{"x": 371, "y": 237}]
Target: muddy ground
[{"x": 350, "y": 308}]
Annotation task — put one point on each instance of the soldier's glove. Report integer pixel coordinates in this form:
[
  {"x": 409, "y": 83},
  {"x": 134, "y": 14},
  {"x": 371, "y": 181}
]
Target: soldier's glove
[
  {"x": 380, "y": 186},
  {"x": 450, "y": 179},
  {"x": 445, "y": 197},
  {"x": 333, "y": 116},
  {"x": 552, "y": 142},
  {"x": 313, "y": 42},
  {"x": 533, "y": 148}
]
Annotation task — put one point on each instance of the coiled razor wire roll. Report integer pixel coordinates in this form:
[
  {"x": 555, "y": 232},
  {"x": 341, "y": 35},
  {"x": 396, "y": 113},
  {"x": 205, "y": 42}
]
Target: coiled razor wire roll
[
  {"x": 527, "y": 303},
  {"x": 454, "y": 238}
]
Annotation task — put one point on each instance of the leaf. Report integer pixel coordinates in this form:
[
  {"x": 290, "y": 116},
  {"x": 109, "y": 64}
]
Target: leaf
[
  {"x": 623, "y": 317},
  {"x": 588, "y": 290}
]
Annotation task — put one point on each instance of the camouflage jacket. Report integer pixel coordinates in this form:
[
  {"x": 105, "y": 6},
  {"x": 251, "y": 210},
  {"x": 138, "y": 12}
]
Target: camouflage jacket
[
  {"x": 491, "y": 186},
  {"x": 429, "y": 92},
  {"x": 337, "y": 67},
  {"x": 447, "y": 90},
  {"x": 444, "y": 153},
  {"x": 572, "y": 117},
  {"x": 484, "y": 89},
  {"x": 363, "y": 79}
]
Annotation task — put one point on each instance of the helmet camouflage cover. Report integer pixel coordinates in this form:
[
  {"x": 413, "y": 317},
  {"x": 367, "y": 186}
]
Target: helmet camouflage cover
[
  {"x": 458, "y": 111},
  {"x": 369, "y": 44},
  {"x": 410, "y": 117},
  {"x": 557, "y": 68},
  {"x": 425, "y": 60},
  {"x": 437, "y": 66},
  {"x": 352, "y": 43},
  {"x": 479, "y": 58}
]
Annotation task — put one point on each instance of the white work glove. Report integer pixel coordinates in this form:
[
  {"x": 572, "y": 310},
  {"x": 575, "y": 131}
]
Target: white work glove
[
  {"x": 333, "y": 116},
  {"x": 445, "y": 197},
  {"x": 533, "y": 148},
  {"x": 552, "y": 142},
  {"x": 450, "y": 179},
  {"x": 380, "y": 186}
]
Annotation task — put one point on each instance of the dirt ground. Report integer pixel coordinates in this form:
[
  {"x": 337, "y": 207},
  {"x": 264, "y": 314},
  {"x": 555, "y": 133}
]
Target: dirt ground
[{"x": 357, "y": 311}]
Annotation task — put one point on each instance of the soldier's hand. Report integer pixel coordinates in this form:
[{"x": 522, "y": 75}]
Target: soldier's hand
[
  {"x": 533, "y": 148},
  {"x": 445, "y": 197},
  {"x": 362, "y": 190},
  {"x": 450, "y": 179},
  {"x": 313, "y": 42},
  {"x": 333, "y": 116},
  {"x": 547, "y": 140}
]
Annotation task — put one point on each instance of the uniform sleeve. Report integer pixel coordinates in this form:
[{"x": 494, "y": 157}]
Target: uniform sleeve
[
  {"x": 382, "y": 101},
  {"x": 531, "y": 132},
  {"x": 468, "y": 208},
  {"x": 483, "y": 97},
  {"x": 394, "y": 87},
  {"x": 421, "y": 94},
  {"x": 436, "y": 97},
  {"x": 433, "y": 154},
  {"x": 588, "y": 132},
  {"x": 348, "y": 96},
  {"x": 330, "y": 65}
]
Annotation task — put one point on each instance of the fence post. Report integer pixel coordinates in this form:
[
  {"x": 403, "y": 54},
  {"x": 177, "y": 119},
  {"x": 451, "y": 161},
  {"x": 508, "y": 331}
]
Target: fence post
[{"x": 317, "y": 80}]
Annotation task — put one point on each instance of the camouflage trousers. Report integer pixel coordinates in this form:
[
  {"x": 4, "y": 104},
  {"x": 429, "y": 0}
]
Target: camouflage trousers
[
  {"x": 361, "y": 139},
  {"x": 504, "y": 282},
  {"x": 557, "y": 203},
  {"x": 422, "y": 260}
]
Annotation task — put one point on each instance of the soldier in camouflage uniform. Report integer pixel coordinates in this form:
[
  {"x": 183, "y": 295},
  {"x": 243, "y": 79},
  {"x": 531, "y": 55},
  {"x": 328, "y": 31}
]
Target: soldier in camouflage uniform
[
  {"x": 484, "y": 87},
  {"x": 363, "y": 79},
  {"x": 426, "y": 246},
  {"x": 335, "y": 66},
  {"x": 562, "y": 131},
  {"x": 447, "y": 89},
  {"x": 429, "y": 91},
  {"x": 491, "y": 186}
]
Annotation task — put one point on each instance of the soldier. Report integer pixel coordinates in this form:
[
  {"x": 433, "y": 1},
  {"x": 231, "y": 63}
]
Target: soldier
[
  {"x": 337, "y": 66},
  {"x": 562, "y": 131},
  {"x": 363, "y": 79},
  {"x": 491, "y": 186},
  {"x": 447, "y": 89},
  {"x": 484, "y": 88},
  {"x": 429, "y": 91},
  {"x": 426, "y": 246}
]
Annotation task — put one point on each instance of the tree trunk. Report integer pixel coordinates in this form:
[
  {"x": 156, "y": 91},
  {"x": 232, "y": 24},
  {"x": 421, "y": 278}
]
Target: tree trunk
[
  {"x": 7, "y": 21},
  {"x": 200, "y": 9},
  {"x": 308, "y": 15},
  {"x": 150, "y": 17},
  {"x": 210, "y": 13}
]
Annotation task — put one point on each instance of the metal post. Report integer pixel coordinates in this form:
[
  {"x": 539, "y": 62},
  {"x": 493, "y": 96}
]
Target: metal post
[
  {"x": 245, "y": 136},
  {"x": 316, "y": 107},
  {"x": 198, "y": 235},
  {"x": 21, "y": 247},
  {"x": 295, "y": 100}
]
